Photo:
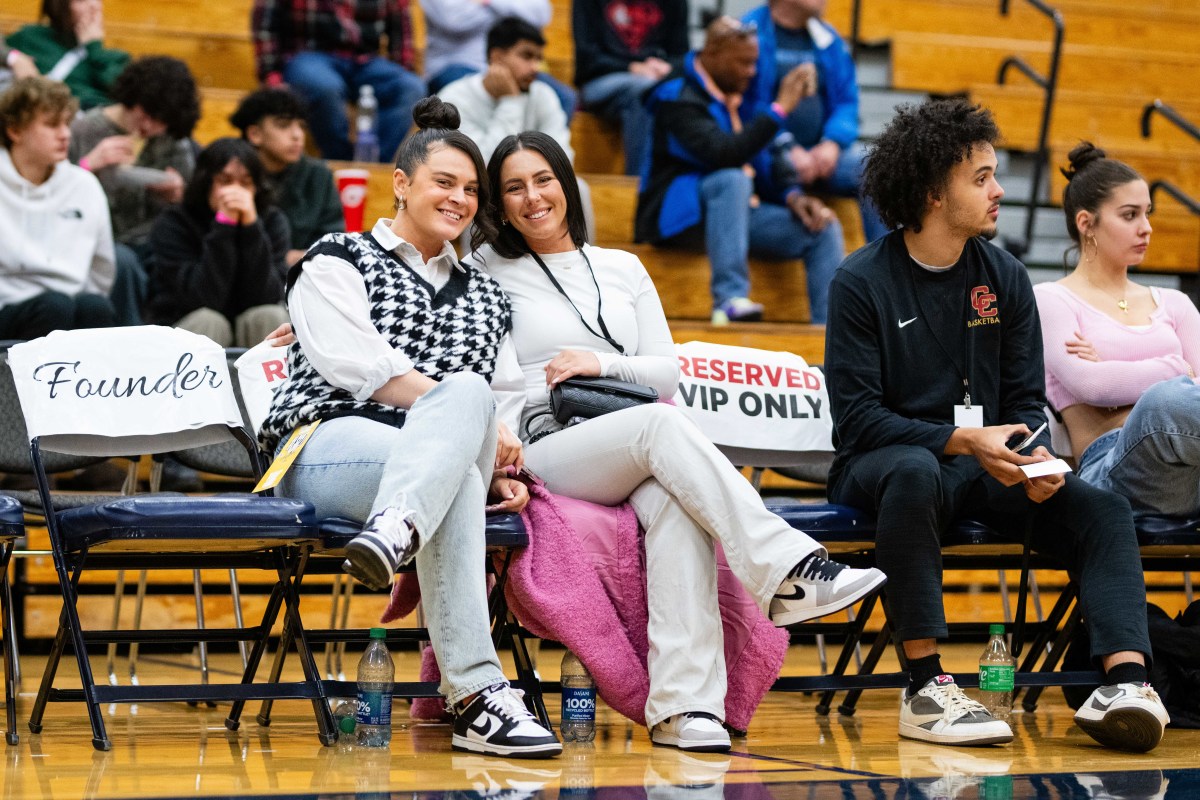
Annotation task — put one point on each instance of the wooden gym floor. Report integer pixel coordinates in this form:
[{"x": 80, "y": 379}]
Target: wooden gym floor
[{"x": 174, "y": 751}]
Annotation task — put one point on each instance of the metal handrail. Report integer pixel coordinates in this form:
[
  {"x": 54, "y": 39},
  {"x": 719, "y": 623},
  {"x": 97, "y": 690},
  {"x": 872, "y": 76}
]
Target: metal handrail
[
  {"x": 1184, "y": 199},
  {"x": 1159, "y": 107},
  {"x": 1048, "y": 83}
]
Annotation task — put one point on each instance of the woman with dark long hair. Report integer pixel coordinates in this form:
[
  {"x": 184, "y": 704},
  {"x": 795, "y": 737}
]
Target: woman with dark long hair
[
  {"x": 581, "y": 310},
  {"x": 395, "y": 344},
  {"x": 218, "y": 258}
]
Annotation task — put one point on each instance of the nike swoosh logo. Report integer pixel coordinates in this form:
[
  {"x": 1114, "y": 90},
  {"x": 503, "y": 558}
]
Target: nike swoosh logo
[
  {"x": 909, "y": 322},
  {"x": 1102, "y": 705},
  {"x": 489, "y": 726},
  {"x": 798, "y": 594}
]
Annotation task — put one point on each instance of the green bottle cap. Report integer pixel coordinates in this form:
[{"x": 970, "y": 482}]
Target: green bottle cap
[
  {"x": 381, "y": 633},
  {"x": 996, "y": 629},
  {"x": 346, "y": 725}
]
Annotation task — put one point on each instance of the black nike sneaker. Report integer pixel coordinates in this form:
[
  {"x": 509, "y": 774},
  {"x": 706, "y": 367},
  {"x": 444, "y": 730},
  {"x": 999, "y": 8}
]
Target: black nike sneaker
[{"x": 498, "y": 723}]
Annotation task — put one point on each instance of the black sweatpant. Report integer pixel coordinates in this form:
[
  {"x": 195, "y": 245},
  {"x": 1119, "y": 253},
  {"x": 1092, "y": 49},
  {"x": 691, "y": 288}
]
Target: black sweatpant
[
  {"x": 55, "y": 311},
  {"x": 915, "y": 497}
]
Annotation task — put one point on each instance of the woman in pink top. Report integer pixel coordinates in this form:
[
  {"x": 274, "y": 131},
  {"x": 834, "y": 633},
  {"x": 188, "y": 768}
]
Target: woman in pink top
[{"x": 1122, "y": 358}]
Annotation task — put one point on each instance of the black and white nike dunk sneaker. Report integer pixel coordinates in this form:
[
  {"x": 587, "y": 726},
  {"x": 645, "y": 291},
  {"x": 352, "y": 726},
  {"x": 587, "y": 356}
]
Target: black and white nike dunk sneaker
[
  {"x": 1124, "y": 716},
  {"x": 817, "y": 586},
  {"x": 386, "y": 542},
  {"x": 498, "y": 723}
]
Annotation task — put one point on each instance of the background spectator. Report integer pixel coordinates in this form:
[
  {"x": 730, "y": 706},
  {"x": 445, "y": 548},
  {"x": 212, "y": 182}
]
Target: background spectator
[
  {"x": 273, "y": 121},
  {"x": 68, "y": 46},
  {"x": 824, "y": 126},
  {"x": 156, "y": 102},
  {"x": 56, "y": 248},
  {"x": 622, "y": 48},
  {"x": 455, "y": 39},
  {"x": 712, "y": 177},
  {"x": 14, "y": 65},
  {"x": 329, "y": 49},
  {"x": 219, "y": 257}
]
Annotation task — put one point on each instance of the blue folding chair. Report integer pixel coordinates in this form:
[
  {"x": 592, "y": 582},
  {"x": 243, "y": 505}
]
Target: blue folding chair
[{"x": 12, "y": 527}]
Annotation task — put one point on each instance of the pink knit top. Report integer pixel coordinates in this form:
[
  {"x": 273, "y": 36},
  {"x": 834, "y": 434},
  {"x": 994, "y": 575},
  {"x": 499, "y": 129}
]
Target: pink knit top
[{"x": 1132, "y": 359}]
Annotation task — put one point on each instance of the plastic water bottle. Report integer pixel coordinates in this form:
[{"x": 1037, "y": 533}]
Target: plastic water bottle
[
  {"x": 996, "y": 672},
  {"x": 366, "y": 142},
  {"x": 376, "y": 673},
  {"x": 345, "y": 709},
  {"x": 578, "y": 721}
]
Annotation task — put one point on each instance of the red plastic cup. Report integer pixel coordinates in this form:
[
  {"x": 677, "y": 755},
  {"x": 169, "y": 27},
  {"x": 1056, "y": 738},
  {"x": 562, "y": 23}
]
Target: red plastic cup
[{"x": 352, "y": 189}]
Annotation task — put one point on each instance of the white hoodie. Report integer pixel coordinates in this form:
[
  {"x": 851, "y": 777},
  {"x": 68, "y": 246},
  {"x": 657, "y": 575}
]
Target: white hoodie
[{"x": 53, "y": 237}]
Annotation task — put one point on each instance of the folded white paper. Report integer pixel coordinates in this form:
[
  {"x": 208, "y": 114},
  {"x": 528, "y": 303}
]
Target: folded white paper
[{"x": 1055, "y": 466}]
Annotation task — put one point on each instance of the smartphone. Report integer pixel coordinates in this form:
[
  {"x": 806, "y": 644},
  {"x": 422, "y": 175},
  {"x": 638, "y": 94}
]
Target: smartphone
[{"x": 1028, "y": 440}]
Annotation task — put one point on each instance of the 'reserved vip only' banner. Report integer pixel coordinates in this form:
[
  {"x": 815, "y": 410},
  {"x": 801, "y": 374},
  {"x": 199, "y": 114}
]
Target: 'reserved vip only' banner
[{"x": 754, "y": 399}]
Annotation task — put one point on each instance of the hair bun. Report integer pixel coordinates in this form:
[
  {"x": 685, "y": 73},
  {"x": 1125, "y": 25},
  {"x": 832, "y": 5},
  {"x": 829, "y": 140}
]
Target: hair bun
[
  {"x": 433, "y": 112},
  {"x": 1080, "y": 156}
]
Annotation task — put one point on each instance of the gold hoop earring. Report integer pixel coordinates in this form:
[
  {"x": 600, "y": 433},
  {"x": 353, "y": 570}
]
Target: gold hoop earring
[
  {"x": 1095, "y": 248},
  {"x": 401, "y": 203}
]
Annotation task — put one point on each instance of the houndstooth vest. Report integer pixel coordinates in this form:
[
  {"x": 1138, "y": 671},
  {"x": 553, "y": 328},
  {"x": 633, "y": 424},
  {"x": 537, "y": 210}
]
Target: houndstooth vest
[{"x": 457, "y": 329}]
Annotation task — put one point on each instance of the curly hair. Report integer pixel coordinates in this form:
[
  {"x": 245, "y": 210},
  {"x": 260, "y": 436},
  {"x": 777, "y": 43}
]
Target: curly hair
[
  {"x": 21, "y": 103},
  {"x": 211, "y": 161},
  {"x": 913, "y": 158},
  {"x": 165, "y": 90},
  {"x": 275, "y": 102}
]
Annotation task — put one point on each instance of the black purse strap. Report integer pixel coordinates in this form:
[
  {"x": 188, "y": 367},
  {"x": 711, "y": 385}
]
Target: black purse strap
[{"x": 604, "y": 334}]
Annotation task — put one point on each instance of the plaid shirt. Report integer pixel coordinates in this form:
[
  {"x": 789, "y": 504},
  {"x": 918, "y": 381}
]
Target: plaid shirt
[{"x": 349, "y": 28}]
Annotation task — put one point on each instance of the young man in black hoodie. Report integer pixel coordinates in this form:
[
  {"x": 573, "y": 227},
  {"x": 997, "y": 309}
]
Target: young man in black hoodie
[{"x": 934, "y": 361}]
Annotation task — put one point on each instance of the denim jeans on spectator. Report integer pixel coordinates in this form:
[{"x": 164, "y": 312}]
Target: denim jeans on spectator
[
  {"x": 566, "y": 95},
  {"x": 1154, "y": 458},
  {"x": 768, "y": 231},
  {"x": 129, "y": 289},
  {"x": 846, "y": 181},
  {"x": 617, "y": 97},
  {"x": 438, "y": 466},
  {"x": 329, "y": 82}
]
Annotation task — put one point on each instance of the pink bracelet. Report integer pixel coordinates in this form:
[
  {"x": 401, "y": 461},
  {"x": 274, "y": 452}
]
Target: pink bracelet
[
  {"x": 778, "y": 109},
  {"x": 225, "y": 219},
  {"x": 85, "y": 164},
  {"x": 12, "y": 56}
]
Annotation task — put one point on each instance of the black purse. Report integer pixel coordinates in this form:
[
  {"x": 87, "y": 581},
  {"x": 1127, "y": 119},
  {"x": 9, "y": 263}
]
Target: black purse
[{"x": 593, "y": 397}]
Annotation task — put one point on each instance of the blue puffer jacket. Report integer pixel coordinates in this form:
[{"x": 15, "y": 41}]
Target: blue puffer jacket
[{"x": 837, "y": 84}]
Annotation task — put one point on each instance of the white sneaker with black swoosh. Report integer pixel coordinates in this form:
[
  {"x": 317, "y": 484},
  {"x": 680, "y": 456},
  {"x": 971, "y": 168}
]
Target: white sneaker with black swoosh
[
  {"x": 498, "y": 723},
  {"x": 1124, "y": 716},
  {"x": 816, "y": 587}
]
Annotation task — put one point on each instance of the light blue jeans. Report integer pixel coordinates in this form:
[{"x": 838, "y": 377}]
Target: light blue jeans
[
  {"x": 617, "y": 97},
  {"x": 438, "y": 466},
  {"x": 768, "y": 231},
  {"x": 1154, "y": 459}
]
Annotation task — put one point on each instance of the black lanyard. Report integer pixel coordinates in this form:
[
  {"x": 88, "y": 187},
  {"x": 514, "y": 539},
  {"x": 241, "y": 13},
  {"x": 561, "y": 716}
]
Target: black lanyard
[
  {"x": 964, "y": 371},
  {"x": 604, "y": 334}
]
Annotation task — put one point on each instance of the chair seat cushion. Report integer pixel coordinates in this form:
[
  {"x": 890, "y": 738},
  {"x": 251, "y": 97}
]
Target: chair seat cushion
[
  {"x": 502, "y": 530},
  {"x": 171, "y": 522},
  {"x": 12, "y": 518},
  {"x": 833, "y": 524},
  {"x": 1156, "y": 531}
]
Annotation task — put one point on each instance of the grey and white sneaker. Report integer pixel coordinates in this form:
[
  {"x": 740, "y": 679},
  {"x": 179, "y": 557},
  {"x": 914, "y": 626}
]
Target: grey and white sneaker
[
  {"x": 498, "y": 723},
  {"x": 695, "y": 731},
  {"x": 1124, "y": 716},
  {"x": 940, "y": 712},
  {"x": 386, "y": 543},
  {"x": 817, "y": 586}
]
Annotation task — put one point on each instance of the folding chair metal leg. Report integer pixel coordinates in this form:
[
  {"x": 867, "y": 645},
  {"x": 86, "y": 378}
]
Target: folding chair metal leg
[
  {"x": 1187, "y": 587},
  {"x": 526, "y": 671},
  {"x": 327, "y": 731},
  {"x": 274, "y": 602},
  {"x": 340, "y": 651},
  {"x": 139, "y": 604},
  {"x": 202, "y": 647},
  {"x": 847, "y": 707},
  {"x": 852, "y": 646},
  {"x": 335, "y": 601},
  {"x": 110, "y": 661},
  {"x": 52, "y": 662},
  {"x": 285, "y": 643},
  {"x": 100, "y": 740},
  {"x": 235, "y": 597},
  {"x": 1005, "y": 603},
  {"x": 10, "y": 659},
  {"x": 1056, "y": 652}
]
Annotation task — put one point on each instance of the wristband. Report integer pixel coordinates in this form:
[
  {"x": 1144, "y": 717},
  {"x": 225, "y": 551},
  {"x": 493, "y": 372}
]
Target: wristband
[
  {"x": 84, "y": 163},
  {"x": 225, "y": 219},
  {"x": 12, "y": 56},
  {"x": 778, "y": 109}
]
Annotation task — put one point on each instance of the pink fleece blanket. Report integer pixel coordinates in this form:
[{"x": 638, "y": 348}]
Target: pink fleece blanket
[{"x": 581, "y": 581}]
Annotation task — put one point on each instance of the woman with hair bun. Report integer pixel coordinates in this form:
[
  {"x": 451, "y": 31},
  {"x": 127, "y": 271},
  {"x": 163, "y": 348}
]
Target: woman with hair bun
[
  {"x": 396, "y": 341},
  {"x": 1122, "y": 358}
]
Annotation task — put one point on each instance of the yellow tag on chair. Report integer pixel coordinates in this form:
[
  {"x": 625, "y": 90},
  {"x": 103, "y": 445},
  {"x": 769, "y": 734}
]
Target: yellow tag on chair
[{"x": 287, "y": 455}]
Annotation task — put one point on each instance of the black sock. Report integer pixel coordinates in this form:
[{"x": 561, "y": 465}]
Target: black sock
[
  {"x": 1126, "y": 672},
  {"x": 921, "y": 670}
]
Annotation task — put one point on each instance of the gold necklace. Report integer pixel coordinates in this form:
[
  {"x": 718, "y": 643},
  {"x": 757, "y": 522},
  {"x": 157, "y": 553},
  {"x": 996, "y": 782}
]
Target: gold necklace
[{"x": 1122, "y": 303}]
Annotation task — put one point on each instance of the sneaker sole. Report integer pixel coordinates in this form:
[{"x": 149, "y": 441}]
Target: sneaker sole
[
  {"x": 816, "y": 612},
  {"x": 367, "y": 566},
  {"x": 464, "y": 744},
  {"x": 909, "y": 731},
  {"x": 1132, "y": 729},
  {"x": 709, "y": 746}
]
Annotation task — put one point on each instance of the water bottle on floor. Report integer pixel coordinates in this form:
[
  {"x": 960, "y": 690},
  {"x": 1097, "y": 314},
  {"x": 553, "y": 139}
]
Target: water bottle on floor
[
  {"x": 366, "y": 124},
  {"x": 578, "y": 722},
  {"x": 996, "y": 672},
  {"x": 376, "y": 674}
]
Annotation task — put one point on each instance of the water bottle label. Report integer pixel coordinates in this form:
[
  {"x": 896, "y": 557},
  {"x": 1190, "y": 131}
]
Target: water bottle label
[
  {"x": 996, "y": 677},
  {"x": 578, "y": 705},
  {"x": 373, "y": 708}
]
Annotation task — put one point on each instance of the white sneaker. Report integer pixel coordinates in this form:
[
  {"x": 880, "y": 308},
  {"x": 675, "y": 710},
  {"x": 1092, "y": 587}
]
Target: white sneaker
[
  {"x": 695, "y": 731},
  {"x": 817, "y": 587},
  {"x": 941, "y": 713},
  {"x": 497, "y": 722},
  {"x": 1125, "y": 716},
  {"x": 385, "y": 544}
]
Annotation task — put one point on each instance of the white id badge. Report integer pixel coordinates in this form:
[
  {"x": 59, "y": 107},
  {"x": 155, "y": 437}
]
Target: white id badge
[{"x": 968, "y": 416}]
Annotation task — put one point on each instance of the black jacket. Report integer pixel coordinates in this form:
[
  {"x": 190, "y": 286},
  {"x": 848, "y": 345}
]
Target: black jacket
[
  {"x": 611, "y": 34},
  {"x": 894, "y": 376}
]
